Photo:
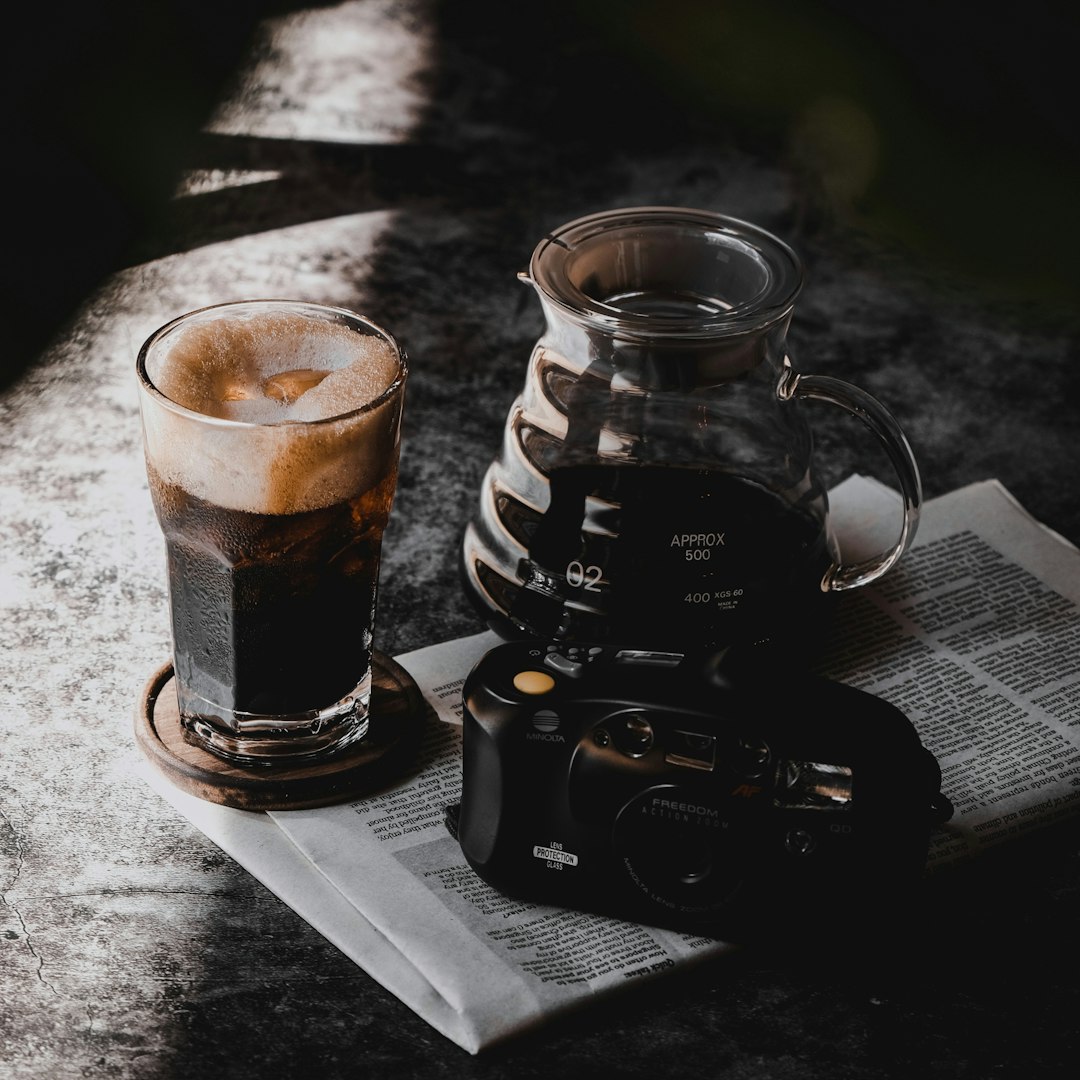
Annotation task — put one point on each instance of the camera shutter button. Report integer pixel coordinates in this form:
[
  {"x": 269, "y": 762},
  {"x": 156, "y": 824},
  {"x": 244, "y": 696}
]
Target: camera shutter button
[{"x": 533, "y": 682}]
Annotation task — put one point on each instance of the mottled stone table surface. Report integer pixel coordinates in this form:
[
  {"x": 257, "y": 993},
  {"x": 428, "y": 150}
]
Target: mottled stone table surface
[{"x": 402, "y": 159}]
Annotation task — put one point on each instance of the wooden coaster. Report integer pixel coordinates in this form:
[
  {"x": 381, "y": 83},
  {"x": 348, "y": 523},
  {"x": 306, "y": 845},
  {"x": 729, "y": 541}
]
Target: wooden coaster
[{"x": 398, "y": 712}]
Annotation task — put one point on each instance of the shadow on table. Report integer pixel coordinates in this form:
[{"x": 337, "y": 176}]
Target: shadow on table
[
  {"x": 975, "y": 981},
  {"x": 103, "y": 103}
]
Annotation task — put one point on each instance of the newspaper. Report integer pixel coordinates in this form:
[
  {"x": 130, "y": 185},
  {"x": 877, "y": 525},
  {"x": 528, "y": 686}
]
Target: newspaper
[{"x": 976, "y": 637}]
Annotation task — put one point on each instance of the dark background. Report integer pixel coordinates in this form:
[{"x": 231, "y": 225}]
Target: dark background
[{"x": 942, "y": 132}]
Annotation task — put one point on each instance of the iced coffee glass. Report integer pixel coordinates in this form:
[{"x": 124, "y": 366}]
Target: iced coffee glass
[{"x": 271, "y": 430}]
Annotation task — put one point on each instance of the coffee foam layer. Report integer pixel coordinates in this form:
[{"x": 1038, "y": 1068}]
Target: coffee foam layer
[
  {"x": 223, "y": 368},
  {"x": 279, "y": 371}
]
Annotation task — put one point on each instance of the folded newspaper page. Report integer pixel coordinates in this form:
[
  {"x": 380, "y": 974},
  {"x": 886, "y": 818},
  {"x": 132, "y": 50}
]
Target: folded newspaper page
[{"x": 975, "y": 637}]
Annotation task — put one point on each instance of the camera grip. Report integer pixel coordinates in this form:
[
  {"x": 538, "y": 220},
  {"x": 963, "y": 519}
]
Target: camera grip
[{"x": 482, "y": 795}]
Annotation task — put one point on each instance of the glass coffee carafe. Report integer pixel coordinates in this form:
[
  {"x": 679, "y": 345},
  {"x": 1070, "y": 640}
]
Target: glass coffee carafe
[{"x": 656, "y": 487}]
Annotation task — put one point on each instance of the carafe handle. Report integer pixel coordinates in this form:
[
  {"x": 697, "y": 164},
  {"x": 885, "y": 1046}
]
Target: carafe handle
[{"x": 881, "y": 422}]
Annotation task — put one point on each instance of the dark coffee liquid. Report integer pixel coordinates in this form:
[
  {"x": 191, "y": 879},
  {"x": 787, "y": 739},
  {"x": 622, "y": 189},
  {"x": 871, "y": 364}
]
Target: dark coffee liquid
[
  {"x": 672, "y": 558},
  {"x": 271, "y": 612}
]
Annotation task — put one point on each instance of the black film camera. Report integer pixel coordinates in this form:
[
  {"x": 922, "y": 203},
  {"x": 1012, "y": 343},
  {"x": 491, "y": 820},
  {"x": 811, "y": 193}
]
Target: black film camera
[{"x": 711, "y": 794}]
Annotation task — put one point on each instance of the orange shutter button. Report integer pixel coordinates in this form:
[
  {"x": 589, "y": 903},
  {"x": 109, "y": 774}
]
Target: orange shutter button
[{"x": 533, "y": 682}]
